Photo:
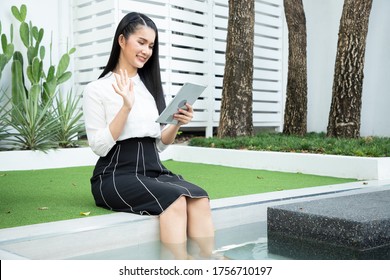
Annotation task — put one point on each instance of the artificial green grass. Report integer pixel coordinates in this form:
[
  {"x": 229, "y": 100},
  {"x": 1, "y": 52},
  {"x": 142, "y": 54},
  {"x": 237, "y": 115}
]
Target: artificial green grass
[{"x": 31, "y": 197}]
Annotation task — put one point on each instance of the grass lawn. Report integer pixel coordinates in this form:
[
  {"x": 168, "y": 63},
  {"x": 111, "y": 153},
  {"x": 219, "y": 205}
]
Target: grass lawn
[{"x": 30, "y": 197}]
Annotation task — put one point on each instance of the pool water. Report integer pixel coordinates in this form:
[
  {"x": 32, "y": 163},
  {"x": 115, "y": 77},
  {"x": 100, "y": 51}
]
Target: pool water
[{"x": 243, "y": 242}]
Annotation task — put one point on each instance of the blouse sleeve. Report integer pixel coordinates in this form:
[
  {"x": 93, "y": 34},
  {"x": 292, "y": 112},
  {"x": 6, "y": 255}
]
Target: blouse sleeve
[
  {"x": 159, "y": 144},
  {"x": 98, "y": 133}
]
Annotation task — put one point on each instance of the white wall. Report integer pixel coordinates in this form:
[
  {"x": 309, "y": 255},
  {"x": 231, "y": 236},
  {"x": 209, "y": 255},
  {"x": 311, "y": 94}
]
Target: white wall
[
  {"x": 53, "y": 16},
  {"x": 323, "y": 17},
  {"x": 376, "y": 89}
]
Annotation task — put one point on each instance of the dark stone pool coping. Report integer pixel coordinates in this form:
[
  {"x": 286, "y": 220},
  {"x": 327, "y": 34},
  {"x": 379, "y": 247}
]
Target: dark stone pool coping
[{"x": 353, "y": 226}]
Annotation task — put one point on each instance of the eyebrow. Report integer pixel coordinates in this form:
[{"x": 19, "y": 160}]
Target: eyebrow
[{"x": 142, "y": 38}]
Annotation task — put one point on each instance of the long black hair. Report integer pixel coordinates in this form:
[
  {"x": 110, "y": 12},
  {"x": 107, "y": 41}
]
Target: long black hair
[{"x": 150, "y": 72}]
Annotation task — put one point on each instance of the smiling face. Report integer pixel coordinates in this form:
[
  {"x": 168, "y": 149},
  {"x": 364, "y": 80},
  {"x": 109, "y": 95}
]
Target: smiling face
[{"x": 136, "y": 49}]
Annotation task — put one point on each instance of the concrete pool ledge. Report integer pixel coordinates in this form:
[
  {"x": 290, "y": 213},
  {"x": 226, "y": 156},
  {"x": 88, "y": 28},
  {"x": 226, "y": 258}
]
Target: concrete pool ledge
[{"x": 70, "y": 238}]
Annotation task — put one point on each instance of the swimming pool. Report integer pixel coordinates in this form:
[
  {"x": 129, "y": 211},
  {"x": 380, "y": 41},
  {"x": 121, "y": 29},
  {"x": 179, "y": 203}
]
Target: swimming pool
[{"x": 240, "y": 224}]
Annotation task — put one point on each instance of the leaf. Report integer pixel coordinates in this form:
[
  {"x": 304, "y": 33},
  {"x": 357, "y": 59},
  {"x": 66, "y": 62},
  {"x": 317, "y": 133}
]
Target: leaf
[
  {"x": 15, "y": 12},
  {"x": 64, "y": 77},
  {"x": 69, "y": 113},
  {"x": 4, "y": 42},
  {"x": 35, "y": 91},
  {"x": 11, "y": 30},
  {"x": 10, "y": 51},
  {"x": 50, "y": 74},
  {"x": 34, "y": 32},
  {"x": 34, "y": 124},
  {"x": 23, "y": 12},
  {"x": 29, "y": 74},
  {"x": 32, "y": 52},
  {"x": 36, "y": 69},
  {"x": 25, "y": 34},
  {"x": 62, "y": 66},
  {"x": 85, "y": 213},
  {"x": 50, "y": 88},
  {"x": 17, "y": 81},
  {"x": 40, "y": 35},
  {"x": 42, "y": 52},
  {"x": 72, "y": 50},
  {"x": 18, "y": 56}
]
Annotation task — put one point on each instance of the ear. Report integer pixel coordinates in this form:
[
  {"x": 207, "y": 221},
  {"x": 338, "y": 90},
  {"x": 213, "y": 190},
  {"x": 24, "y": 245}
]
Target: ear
[{"x": 121, "y": 41}]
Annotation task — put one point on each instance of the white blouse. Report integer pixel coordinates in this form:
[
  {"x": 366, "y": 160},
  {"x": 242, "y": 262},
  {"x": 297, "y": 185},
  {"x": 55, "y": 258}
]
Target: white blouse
[{"x": 101, "y": 104}]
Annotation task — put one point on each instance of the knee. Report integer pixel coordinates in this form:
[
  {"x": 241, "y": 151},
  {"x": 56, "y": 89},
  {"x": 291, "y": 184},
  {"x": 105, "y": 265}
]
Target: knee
[
  {"x": 199, "y": 205},
  {"x": 179, "y": 206},
  {"x": 205, "y": 204}
]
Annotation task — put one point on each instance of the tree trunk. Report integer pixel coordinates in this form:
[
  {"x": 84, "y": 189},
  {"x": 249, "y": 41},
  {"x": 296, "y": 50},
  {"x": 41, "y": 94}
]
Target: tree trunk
[
  {"x": 345, "y": 111},
  {"x": 236, "y": 108},
  {"x": 295, "y": 114}
]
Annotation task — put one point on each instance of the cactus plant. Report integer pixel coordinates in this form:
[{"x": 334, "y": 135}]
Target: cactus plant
[
  {"x": 34, "y": 116},
  {"x": 18, "y": 83},
  {"x": 47, "y": 83},
  {"x": 7, "y": 49}
]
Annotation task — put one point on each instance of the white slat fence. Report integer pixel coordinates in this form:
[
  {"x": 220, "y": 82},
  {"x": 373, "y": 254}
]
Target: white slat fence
[{"x": 192, "y": 36}]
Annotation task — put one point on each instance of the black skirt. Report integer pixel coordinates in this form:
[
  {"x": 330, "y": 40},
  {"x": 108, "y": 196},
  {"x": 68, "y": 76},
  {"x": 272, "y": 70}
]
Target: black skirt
[{"x": 131, "y": 178}]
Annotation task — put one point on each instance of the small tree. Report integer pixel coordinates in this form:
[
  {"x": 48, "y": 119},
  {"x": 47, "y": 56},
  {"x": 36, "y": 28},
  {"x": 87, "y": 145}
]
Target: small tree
[
  {"x": 295, "y": 114},
  {"x": 236, "y": 108},
  {"x": 345, "y": 111}
]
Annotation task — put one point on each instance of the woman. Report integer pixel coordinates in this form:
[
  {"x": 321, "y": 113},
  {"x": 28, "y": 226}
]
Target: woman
[{"x": 120, "y": 110}]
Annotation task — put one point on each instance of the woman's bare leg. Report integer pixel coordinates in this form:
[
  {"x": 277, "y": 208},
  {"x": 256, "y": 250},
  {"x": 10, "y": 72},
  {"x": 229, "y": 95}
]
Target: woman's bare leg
[
  {"x": 200, "y": 226},
  {"x": 173, "y": 228}
]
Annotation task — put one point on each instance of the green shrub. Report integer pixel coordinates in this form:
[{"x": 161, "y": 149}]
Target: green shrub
[{"x": 316, "y": 143}]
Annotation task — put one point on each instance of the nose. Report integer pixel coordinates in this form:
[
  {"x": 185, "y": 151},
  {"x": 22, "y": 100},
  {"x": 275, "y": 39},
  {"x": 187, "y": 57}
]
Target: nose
[{"x": 146, "y": 50}]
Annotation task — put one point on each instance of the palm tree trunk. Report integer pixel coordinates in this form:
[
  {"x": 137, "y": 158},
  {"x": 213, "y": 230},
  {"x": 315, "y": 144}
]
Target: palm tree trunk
[
  {"x": 345, "y": 111},
  {"x": 295, "y": 114},
  {"x": 236, "y": 107}
]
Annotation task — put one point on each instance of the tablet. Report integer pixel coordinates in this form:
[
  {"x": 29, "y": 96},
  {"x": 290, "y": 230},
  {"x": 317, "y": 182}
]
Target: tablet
[{"x": 188, "y": 93}]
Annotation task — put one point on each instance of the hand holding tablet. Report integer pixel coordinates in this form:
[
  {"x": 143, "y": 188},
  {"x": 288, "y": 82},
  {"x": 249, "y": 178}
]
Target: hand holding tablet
[{"x": 188, "y": 93}]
